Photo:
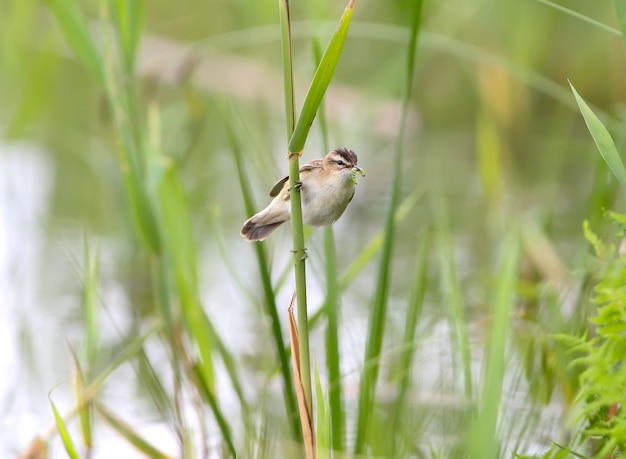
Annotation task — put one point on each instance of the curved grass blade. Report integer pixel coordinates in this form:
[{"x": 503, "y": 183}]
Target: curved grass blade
[
  {"x": 90, "y": 302},
  {"x": 84, "y": 407},
  {"x": 129, "y": 433},
  {"x": 620, "y": 11},
  {"x": 414, "y": 312},
  {"x": 322, "y": 439},
  {"x": 313, "y": 99},
  {"x": 76, "y": 33},
  {"x": 333, "y": 416},
  {"x": 320, "y": 82},
  {"x": 582, "y": 17},
  {"x": 130, "y": 152},
  {"x": 379, "y": 306},
  {"x": 174, "y": 219},
  {"x": 209, "y": 396},
  {"x": 602, "y": 138},
  {"x": 483, "y": 437},
  {"x": 268, "y": 292},
  {"x": 63, "y": 432},
  {"x": 129, "y": 20},
  {"x": 128, "y": 351},
  {"x": 306, "y": 414},
  {"x": 451, "y": 291}
]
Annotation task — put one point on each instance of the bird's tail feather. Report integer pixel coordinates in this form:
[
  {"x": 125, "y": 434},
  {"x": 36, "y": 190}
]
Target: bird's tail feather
[{"x": 252, "y": 230}]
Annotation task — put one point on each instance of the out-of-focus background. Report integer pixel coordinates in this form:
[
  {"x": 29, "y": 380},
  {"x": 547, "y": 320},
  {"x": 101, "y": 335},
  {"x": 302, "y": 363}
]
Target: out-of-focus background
[{"x": 493, "y": 136}]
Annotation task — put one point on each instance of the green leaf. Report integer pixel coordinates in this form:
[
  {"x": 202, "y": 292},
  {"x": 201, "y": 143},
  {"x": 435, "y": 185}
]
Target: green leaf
[
  {"x": 220, "y": 417},
  {"x": 409, "y": 341},
  {"x": 129, "y": 434},
  {"x": 285, "y": 30},
  {"x": 620, "y": 11},
  {"x": 269, "y": 298},
  {"x": 378, "y": 312},
  {"x": 74, "y": 28},
  {"x": 602, "y": 138},
  {"x": 129, "y": 23},
  {"x": 321, "y": 80},
  {"x": 483, "y": 437},
  {"x": 175, "y": 221},
  {"x": 323, "y": 422},
  {"x": 580, "y": 16},
  {"x": 63, "y": 432},
  {"x": 129, "y": 350},
  {"x": 84, "y": 407},
  {"x": 90, "y": 302}
]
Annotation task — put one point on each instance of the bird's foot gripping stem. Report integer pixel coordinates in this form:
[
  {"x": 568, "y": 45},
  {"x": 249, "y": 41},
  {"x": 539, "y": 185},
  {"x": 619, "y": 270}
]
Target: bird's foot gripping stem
[
  {"x": 304, "y": 256},
  {"x": 297, "y": 186}
]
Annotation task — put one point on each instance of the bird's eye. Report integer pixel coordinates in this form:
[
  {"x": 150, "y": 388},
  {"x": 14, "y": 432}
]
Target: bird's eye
[{"x": 341, "y": 163}]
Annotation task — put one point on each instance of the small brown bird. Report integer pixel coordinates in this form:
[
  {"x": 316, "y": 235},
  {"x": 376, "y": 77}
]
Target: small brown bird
[{"x": 326, "y": 186}]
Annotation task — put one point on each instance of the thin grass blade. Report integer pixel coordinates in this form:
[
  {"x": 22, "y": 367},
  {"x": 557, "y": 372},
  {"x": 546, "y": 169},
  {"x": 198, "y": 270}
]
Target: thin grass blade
[
  {"x": 63, "y": 432},
  {"x": 128, "y": 351},
  {"x": 409, "y": 343},
  {"x": 126, "y": 431},
  {"x": 131, "y": 154},
  {"x": 602, "y": 138},
  {"x": 285, "y": 30},
  {"x": 84, "y": 407},
  {"x": 150, "y": 378},
  {"x": 620, "y": 11},
  {"x": 306, "y": 416},
  {"x": 269, "y": 298},
  {"x": 129, "y": 19},
  {"x": 379, "y": 305},
  {"x": 452, "y": 293},
  {"x": 373, "y": 247},
  {"x": 220, "y": 418},
  {"x": 74, "y": 28},
  {"x": 322, "y": 419},
  {"x": 331, "y": 306},
  {"x": 483, "y": 438},
  {"x": 579, "y": 16},
  {"x": 90, "y": 303},
  {"x": 174, "y": 219}
]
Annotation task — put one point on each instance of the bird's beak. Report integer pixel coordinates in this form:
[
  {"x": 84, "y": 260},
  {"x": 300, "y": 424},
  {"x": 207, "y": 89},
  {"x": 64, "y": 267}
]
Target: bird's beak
[{"x": 357, "y": 168}]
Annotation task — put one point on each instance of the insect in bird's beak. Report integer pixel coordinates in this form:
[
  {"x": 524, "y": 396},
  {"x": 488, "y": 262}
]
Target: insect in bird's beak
[{"x": 353, "y": 174}]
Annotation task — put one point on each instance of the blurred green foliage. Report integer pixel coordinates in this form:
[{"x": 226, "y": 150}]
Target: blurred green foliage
[{"x": 128, "y": 101}]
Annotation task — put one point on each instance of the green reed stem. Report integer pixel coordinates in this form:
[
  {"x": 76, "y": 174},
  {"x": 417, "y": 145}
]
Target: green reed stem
[
  {"x": 331, "y": 306},
  {"x": 299, "y": 251},
  {"x": 379, "y": 307}
]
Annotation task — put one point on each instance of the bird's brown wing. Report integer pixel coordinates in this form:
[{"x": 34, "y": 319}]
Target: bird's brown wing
[{"x": 315, "y": 164}]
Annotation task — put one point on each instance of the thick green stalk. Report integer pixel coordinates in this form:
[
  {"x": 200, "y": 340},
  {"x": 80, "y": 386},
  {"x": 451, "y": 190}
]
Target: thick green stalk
[
  {"x": 321, "y": 80},
  {"x": 299, "y": 256},
  {"x": 299, "y": 252}
]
